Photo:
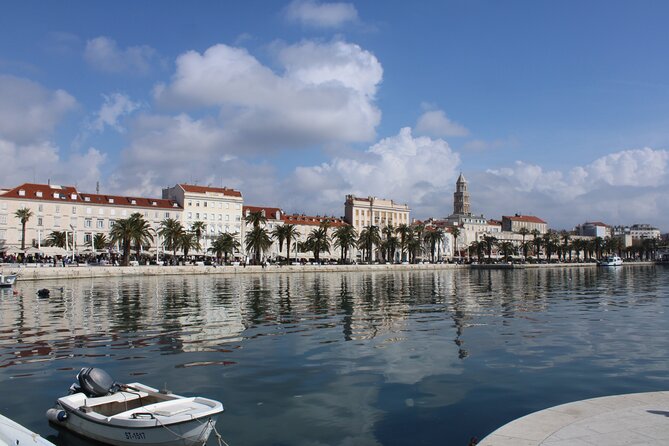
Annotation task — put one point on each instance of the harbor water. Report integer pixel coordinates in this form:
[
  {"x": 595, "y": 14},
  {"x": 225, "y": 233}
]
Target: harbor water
[{"x": 356, "y": 358}]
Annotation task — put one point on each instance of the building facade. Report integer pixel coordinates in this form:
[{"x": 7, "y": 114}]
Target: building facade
[
  {"x": 371, "y": 211},
  {"x": 530, "y": 222},
  {"x": 219, "y": 208},
  {"x": 65, "y": 209}
]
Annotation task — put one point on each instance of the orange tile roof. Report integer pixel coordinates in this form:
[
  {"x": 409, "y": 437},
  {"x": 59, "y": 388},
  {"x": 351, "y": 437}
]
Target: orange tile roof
[
  {"x": 204, "y": 189},
  {"x": 69, "y": 194},
  {"x": 270, "y": 212},
  {"x": 524, "y": 218},
  {"x": 297, "y": 219}
]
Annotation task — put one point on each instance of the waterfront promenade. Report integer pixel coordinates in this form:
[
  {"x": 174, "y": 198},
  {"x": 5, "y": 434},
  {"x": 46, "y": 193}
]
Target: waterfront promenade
[
  {"x": 633, "y": 419},
  {"x": 35, "y": 272}
]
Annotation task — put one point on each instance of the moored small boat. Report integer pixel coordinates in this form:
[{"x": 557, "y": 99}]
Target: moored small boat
[
  {"x": 7, "y": 281},
  {"x": 133, "y": 414},
  {"x": 611, "y": 261}
]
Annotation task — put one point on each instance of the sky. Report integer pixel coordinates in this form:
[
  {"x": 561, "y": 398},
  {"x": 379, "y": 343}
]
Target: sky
[{"x": 553, "y": 109}]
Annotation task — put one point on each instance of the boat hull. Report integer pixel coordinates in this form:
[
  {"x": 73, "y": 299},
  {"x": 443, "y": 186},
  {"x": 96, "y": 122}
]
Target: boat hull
[
  {"x": 7, "y": 281},
  {"x": 188, "y": 433}
]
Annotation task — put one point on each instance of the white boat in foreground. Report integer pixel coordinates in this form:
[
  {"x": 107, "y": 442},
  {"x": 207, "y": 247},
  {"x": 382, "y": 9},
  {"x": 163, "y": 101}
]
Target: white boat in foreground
[
  {"x": 611, "y": 261},
  {"x": 7, "y": 280},
  {"x": 133, "y": 414},
  {"x": 13, "y": 434}
]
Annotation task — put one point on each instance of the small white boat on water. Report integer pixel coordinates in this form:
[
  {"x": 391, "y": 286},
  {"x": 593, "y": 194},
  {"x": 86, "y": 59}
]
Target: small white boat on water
[
  {"x": 7, "y": 281},
  {"x": 13, "y": 434},
  {"x": 611, "y": 261},
  {"x": 133, "y": 414}
]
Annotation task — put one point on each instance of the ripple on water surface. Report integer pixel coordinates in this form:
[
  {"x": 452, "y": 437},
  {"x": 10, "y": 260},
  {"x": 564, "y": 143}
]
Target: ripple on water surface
[{"x": 350, "y": 358}]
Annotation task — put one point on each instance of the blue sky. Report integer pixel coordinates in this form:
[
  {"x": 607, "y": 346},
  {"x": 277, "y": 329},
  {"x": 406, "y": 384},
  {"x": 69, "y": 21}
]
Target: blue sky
[{"x": 557, "y": 109}]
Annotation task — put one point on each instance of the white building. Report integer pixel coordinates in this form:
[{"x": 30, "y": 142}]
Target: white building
[
  {"x": 81, "y": 215},
  {"x": 220, "y": 208}
]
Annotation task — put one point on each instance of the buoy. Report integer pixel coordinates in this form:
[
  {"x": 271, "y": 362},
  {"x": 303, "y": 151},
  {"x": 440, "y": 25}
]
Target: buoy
[
  {"x": 56, "y": 415},
  {"x": 44, "y": 292}
]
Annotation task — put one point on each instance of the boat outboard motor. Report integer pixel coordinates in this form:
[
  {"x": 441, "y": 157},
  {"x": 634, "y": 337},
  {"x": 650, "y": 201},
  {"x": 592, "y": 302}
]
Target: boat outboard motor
[
  {"x": 44, "y": 292},
  {"x": 96, "y": 382}
]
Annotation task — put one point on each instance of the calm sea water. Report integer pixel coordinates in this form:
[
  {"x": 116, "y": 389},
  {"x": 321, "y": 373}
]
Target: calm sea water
[{"x": 345, "y": 359}]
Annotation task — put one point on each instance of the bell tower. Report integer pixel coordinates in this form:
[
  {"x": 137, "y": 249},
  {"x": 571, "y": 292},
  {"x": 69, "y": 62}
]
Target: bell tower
[{"x": 461, "y": 197}]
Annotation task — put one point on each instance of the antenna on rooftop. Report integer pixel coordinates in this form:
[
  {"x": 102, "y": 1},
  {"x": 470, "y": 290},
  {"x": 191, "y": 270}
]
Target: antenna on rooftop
[{"x": 97, "y": 187}]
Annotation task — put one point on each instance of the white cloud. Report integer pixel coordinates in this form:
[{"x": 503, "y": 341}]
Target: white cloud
[
  {"x": 321, "y": 15},
  {"x": 115, "y": 106},
  {"x": 624, "y": 187},
  {"x": 414, "y": 170},
  {"x": 435, "y": 123},
  {"x": 28, "y": 111},
  {"x": 103, "y": 54},
  {"x": 19, "y": 165},
  {"x": 325, "y": 94}
]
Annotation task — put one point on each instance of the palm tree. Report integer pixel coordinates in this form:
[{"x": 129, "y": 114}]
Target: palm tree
[
  {"x": 455, "y": 232},
  {"x": 489, "y": 241},
  {"x": 433, "y": 238},
  {"x": 369, "y": 237},
  {"x": 23, "y": 215},
  {"x": 551, "y": 243},
  {"x": 57, "y": 238},
  {"x": 478, "y": 248},
  {"x": 506, "y": 248},
  {"x": 171, "y": 231},
  {"x": 141, "y": 232},
  {"x": 122, "y": 232},
  {"x": 404, "y": 232},
  {"x": 225, "y": 244},
  {"x": 198, "y": 228},
  {"x": 258, "y": 241},
  {"x": 598, "y": 242},
  {"x": 100, "y": 241},
  {"x": 536, "y": 241},
  {"x": 255, "y": 218},
  {"x": 318, "y": 241},
  {"x": 388, "y": 231},
  {"x": 291, "y": 235},
  {"x": 344, "y": 238},
  {"x": 524, "y": 232},
  {"x": 187, "y": 241},
  {"x": 566, "y": 246},
  {"x": 415, "y": 246}
]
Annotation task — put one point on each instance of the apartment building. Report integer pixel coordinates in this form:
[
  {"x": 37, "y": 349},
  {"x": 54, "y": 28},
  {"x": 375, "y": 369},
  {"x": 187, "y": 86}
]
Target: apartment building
[
  {"x": 64, "y": 208},
  {"x": 530, "y": 222},
  {"x": 220, "y": 208}
]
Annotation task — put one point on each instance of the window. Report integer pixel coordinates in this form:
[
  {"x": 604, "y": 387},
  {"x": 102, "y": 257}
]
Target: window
[
  {"x": 197, "y": 215},
  {"x": 88, "y": 238},
  {"x": 39, "y": 194},
  {"x": 74, "y": 197},
  {"x": 56, "y": 222},
  {"x": 57, "y": 209},
  {"x": 111, "y": 201},
  {"x": 74, "y": 209},
  {"x": 190, "y": 202},
  {"x": 22, "y": 193},
  {"x": 111, "y": 223},
  {"x": 190, "y": 215},
  {"x": 124, "y": 213},
  {"x": 112, "y": 212},
  {"x": 88, "y": 223},
  {"x": 89, "y": 211},
  {"x": 227, "y": 205},
  {"x": 101, "y": 211},
  {"x": 40, "y": 208},
  {"x": 220, "y": 205},
  {"x": 204, "y": 216},
  {"x": 227, "y": 218},
  {"x": 167, "y": 215},
  {"x": 100, "y": 224},
  {"x": 40, "y": 221},
  {"x": 220, "y": 217},
  {"x": 4, "y": 206},
  {"x": 133, "y": 201},
  {"x": 3, "y": 234},
  {"x": 85, "y": 198},
  {"x": 3, "y": 219},
  {"x": 205, "y": 204}
]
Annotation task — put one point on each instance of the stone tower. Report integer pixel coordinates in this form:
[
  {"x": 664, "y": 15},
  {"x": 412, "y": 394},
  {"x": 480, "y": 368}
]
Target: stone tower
[{"x": 461, "y": 197}]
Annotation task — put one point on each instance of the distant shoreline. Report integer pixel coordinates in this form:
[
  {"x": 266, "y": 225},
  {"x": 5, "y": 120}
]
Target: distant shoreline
[{"x": 90, "y": 272}]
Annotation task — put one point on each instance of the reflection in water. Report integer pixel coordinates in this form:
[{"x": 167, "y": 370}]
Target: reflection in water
[{"x": 351, "y": 358}]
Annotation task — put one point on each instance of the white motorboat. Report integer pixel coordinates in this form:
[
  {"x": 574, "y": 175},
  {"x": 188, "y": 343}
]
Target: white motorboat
[
  {"x": 7, "y": 281},
  {"x": 611, "y": 261},
  {"x": 133, "y": 414},
  {"x": 13, "y": 434}
]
